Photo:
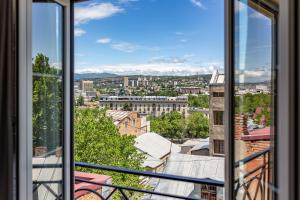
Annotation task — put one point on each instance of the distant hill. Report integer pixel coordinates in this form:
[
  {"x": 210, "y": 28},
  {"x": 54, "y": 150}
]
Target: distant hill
[{"x": 85, "y": 76}]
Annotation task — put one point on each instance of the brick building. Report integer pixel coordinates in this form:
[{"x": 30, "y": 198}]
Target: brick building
[{"x": 129, "y": 123}]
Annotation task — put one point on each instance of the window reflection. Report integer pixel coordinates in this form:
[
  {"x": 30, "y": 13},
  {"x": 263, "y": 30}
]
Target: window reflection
[
  {"x": 47, "y": 99},
  {"x": 253, "y": 117}
]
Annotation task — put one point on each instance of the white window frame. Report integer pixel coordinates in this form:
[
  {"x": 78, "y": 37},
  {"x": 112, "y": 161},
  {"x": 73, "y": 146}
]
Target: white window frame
[{"x": 25, "y": 187}]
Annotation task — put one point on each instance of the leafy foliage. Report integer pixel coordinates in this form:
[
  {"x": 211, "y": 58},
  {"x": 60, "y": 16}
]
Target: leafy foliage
[
  {"x": 127, "y": 107},
  {"x": 80, "y": 101},
  {"x": 248, "y": 103},
  {"x": 170, "y": 125},
  {"x": 174, "y": 126},
  {"x": 47, "y": 104},
  {"x": 197, "y": 126},
  {"x": 98, "y": 141},
  {"x": 200, "y": 101}
]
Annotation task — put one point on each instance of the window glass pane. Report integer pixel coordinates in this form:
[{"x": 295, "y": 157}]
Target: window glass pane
[
  {"x": 254, "y": 86},
  {"x": 47, "y": 99}
]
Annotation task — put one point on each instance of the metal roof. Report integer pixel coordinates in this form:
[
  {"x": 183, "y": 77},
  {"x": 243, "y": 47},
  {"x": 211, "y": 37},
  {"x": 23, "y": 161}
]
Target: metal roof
[
  {"x": 193, "y": 142},
  {"x": 191, "y": 166},
  {"x": 117, "y": 115},
  {"x": 155, "y": 145}
]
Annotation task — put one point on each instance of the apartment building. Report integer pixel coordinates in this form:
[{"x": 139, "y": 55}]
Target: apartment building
[
  {"x": 216, "y": 114},
  {"x": 86, "y": 86},
  {"x": 149, "y": 105}
]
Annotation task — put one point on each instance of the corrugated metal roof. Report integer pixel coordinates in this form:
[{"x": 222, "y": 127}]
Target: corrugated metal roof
[
  {"x": 152, "y": 162},
  {"x": 155, "y": 145},
  {"x": 191, "y": 166},
  {"x": 117, "y": 115},
  {"x": 193, "y": 142}
]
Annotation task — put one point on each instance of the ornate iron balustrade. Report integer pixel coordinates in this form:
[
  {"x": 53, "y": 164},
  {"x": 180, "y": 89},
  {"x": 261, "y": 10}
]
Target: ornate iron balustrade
[
  {"x": 253, "y": 176},
  {"x": 123, "y": 189},
  {"x": 253, "y": 184}
]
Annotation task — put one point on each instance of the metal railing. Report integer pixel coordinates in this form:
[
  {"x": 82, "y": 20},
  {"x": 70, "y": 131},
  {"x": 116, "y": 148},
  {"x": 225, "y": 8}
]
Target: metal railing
[
  {"x": 253, "y": 176},
  {"x": 122, "y": 189},
  {"x": 252, "y": 184}
]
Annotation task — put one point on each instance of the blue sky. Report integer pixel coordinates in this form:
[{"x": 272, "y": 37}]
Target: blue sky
[
  {"x": 159, "y": 37},
  {"x": 156, "y": 37}
]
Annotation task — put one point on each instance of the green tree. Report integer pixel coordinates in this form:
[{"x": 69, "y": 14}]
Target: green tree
[
  {"x": 200, "y": 101},
  {"x": 46, "y": 103},
  {"x": 248, "y": 103},
  {"x": 127, "y": 107},
  {"x": 170, "y": 125},
  {"x": 80, "y": 101},
  {"x": 98, "y": 141},
  {"x": 197, "y": 125}
]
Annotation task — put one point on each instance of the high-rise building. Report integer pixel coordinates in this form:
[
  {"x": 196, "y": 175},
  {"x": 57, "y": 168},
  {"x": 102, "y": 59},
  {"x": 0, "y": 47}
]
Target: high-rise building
[
  {"x": 125, "y": 81},
  {"x": 86, "y": 86}
]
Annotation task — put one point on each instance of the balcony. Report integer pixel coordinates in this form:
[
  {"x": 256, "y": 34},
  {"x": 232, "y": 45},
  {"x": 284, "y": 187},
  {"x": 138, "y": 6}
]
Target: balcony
[{"x": 254, "y": 184}]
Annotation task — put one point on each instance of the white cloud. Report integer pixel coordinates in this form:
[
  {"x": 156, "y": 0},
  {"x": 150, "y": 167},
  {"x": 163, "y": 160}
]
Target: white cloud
[
  {"x": 254, "y": 75},
  {"x": 198, "y": 3},
  {"x": 125, "y": 47},
  {"x": 127, "y": 1},
  {"x": 162, "y": 59},
  {"x": 95, "y": 11},
  {"x": 79, "y": 32},
  {"x": 179, "y": 33},
  {"x": 183, "y": 40},
  {"x": 104, "y": 40},
  {"x": 154, "y": 69}
]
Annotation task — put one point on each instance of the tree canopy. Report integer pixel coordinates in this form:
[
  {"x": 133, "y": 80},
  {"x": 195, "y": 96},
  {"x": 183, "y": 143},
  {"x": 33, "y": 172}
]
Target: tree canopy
[
  {"x": 173, "y": 125},
  {"x": 98, "y": 141},
  {"x": 200, "y": 101},
  {"x": 197, "y": 125},
  {"x": 46, "y": 103}
]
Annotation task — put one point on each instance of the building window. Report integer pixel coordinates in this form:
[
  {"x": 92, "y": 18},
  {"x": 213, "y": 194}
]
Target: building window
[
  {"x": 218, "y": 117},
  {"x": 208, "y": 192},
  {"x": 219, "y": 146},
  {"x": 218, "y": 94}
]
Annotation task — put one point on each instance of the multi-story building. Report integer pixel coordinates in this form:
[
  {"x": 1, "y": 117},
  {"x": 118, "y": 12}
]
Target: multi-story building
[
  {"x": 216, "y": 114},
  {"x": 150, "y": 105},
  {"x": 86, "y": 85},
  {"x": 190, "y": 90},
  {"x": 125, "y": 81}
]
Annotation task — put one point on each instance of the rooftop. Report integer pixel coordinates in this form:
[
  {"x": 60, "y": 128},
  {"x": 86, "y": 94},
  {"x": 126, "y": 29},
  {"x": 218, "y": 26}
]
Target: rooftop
[
  {"x": 190, "y": 166},
  {"x": 155, "y": 145},
  {"x": 217, "y": 78},
  {"x": 117, "y": 115},
  {"x": 258, "y": 134}
]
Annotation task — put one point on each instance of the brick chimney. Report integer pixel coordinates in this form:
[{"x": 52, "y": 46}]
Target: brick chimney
[{"x": 240, "y": 126}]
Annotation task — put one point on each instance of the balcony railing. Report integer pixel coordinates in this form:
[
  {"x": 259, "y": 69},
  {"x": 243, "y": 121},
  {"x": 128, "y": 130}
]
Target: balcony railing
[
  {"x": 254, "y": 180},
  {"x": 253, "y": 184}
]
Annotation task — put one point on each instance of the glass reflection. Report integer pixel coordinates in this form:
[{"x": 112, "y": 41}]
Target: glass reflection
[
  {"x": 254, "y": 48},
  {"x": 47, "y": 99}
]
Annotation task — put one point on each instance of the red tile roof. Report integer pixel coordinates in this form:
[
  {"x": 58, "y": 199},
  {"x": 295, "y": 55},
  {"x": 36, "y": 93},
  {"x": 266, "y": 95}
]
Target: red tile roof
[
  {"x": 97, "y": 178},
  {"x": 258, "y": 134}
]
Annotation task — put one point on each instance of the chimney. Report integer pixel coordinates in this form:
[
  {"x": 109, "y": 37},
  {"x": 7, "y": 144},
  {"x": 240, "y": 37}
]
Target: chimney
[{"x": 240, "y": 126}]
